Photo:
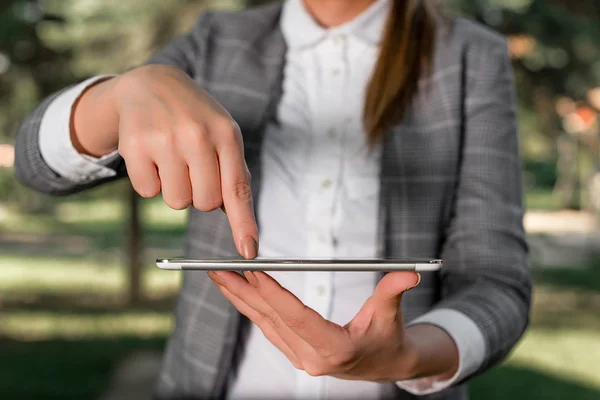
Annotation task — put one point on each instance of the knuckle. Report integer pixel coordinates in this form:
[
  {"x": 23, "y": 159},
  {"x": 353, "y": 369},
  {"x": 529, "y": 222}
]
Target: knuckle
[
  {"x": 165, "y": 141},
  {"x": 148, "y": 192},
  {"x": 208, "y": 205},
  {"x": 315, "y": 368},
  {"x": 216, "y": 201},
  {"x": 178, "y": 204},
  {"x": 157, "y": 139},
  {"x": 196, "y": 134},
  {"x": 295, "y": 322},
  {"x": 199, "y": 129},
  {"x": 242, "y": 191},
  {"x": 297, "y": 364},
  {"x": 261, "y": 320},
  {"x": 204, "y": 207},
  {"x": 272, "y": 318},
  {"x": 131, "y": 81},
  {"x": 341, "y": 360},
  {"x": 131, "y": 143},
  {"x": 225, "y": 126},
  {"x": 228, "y": 132}
]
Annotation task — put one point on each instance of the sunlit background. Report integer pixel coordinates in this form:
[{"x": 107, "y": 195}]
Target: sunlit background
[{"x": 84, "y": 313}]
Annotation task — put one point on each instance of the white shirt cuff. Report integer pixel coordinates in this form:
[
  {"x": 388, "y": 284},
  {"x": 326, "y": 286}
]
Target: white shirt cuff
[
  {"x": 55, "y": 143},
  {"x": 469, "y": 341}
]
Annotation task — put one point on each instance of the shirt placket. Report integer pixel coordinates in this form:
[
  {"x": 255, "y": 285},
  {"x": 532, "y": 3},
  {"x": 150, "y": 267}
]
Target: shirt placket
[{"x": 324, "y": 183}]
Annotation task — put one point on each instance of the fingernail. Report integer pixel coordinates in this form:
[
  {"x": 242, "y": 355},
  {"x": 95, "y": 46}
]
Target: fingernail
[
  {"x": 416, "y": 284},
  {"x": 214, "y": 276},
  {"x": 249, "y": 247},
  {"x": 251, "y": 278}
]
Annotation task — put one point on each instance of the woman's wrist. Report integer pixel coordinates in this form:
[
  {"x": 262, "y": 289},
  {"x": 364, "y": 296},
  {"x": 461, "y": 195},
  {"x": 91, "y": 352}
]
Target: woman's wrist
[
  {"x": 429, "y": 352},
  {"x": 95, "y": 120}
]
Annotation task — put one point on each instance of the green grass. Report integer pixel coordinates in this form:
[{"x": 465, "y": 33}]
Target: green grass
[
  {"x": 104, "y": 216},
  {"x": 582, "y": 277},
  {"x": 540, "y": 199},
  {"x": 558, "y": 356},
  {"x": 525, "y": 383},
  {"x": 568, "y": 353},
  {"x": 64, "y": 369},
  {"x": 64, "y": 323},
  {"x": 76, "y": 275},
  {"x": 42, "y": 325}
]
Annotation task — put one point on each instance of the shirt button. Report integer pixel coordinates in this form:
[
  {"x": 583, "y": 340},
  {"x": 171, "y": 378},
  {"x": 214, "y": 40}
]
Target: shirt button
[
  {"x": 326, "y": 184},
  {"x": 321, "y": 290},
  {"x": 337, "y": 40},
  {"x": 321, "y": 238},
  {"x": 331, "y": 133},
  {"x": 336, "y": 72}
]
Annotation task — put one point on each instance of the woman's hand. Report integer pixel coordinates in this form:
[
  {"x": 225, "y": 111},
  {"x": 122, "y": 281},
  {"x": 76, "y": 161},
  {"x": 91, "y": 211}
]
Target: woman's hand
[
  {"x": 374, "y": 346},
  {"x": 174, "y": 138}
]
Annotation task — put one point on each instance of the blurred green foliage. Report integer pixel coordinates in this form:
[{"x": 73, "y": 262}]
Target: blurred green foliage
[
  {"x": 555, "y": 47},
  {"x": 47, "y": 45}
]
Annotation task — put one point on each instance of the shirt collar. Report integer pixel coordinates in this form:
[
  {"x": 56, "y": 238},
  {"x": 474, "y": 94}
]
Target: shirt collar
[{"x": 300, "y": 29}]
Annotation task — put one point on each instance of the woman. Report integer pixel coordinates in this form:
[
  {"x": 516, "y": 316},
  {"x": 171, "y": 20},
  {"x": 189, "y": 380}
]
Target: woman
[{"x": 370, "y": 128}]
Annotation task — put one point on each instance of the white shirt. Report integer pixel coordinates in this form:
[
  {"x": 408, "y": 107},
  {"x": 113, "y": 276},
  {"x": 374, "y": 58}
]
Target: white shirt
[{"x": 322, "y": 197}]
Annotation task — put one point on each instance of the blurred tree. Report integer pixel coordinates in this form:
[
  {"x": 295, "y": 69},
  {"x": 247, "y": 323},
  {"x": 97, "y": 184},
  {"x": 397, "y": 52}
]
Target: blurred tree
[
  {"x": 556, "y": 50},
  {"x": 46, "y": 45},
  {"x": 110, "y": 37},
  {"x": 29, "y": 69}
]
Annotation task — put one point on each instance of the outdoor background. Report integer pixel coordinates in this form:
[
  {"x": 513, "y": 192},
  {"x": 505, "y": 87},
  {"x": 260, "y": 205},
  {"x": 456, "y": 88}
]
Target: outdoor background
[{"x": 84, "y": 313}]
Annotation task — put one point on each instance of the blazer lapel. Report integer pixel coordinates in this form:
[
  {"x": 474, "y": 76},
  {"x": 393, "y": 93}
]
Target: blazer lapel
[
  {"x": 247, "y": 81},
  {"x": 249, "y": 85}
]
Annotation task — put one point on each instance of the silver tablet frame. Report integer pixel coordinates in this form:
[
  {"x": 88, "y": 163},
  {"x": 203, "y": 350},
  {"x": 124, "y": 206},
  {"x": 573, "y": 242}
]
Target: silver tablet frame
[{"x": 379, "y": 265}]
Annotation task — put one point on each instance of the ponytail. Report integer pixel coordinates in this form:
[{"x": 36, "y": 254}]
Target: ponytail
[{"x": 406, "y": 55}]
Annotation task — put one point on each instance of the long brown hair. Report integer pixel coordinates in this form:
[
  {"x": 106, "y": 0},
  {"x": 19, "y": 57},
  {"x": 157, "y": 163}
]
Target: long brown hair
[{"x": 406, "y": 56}]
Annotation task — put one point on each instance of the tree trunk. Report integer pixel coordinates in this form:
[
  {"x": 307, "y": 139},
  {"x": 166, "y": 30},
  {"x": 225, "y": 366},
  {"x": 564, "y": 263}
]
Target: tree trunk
[
  {"x": 565, "y": 190},
  {"x": 134, "y": 248}
]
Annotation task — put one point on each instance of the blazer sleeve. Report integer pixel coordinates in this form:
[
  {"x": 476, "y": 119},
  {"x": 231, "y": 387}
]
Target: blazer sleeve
[
  {"x": 486, "y": 273},
  {"x": 31, "y": 168}
]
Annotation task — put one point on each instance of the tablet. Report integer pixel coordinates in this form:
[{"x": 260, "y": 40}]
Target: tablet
[{"x": 271, "y": 264}]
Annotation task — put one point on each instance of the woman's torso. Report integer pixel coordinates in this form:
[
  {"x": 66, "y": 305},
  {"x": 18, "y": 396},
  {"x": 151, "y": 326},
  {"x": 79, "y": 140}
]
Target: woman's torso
[
  {"x": 320, "y": 185},
  {"x": 420, "y": 160}
]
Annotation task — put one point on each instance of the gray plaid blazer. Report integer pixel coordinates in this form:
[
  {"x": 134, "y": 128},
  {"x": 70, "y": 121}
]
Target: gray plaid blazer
[{"x": 451, "y": 188}]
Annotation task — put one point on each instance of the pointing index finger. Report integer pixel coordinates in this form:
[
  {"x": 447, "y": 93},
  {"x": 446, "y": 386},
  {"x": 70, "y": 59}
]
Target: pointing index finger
[{"x": 237, "y": 199}]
